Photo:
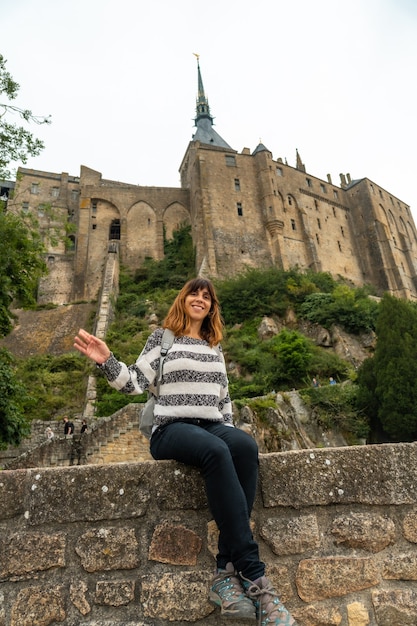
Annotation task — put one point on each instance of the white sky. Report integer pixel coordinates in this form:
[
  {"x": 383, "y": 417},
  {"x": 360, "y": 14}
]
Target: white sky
[{"x": 334, "y": 79}]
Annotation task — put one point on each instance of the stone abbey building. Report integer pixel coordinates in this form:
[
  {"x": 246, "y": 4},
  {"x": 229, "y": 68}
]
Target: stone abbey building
[{"x": 245, "y": 210}]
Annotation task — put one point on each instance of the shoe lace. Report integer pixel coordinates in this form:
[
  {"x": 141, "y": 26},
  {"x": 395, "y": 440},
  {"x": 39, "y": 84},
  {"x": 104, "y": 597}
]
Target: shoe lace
[
  {"x": 270, "y": 608},
  {"x": 229, "y": 588}
]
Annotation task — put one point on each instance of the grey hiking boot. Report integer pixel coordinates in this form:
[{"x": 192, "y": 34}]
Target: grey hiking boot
[
  {"x": 270, "y": 610},
  {"x": 227, "y": 593}
]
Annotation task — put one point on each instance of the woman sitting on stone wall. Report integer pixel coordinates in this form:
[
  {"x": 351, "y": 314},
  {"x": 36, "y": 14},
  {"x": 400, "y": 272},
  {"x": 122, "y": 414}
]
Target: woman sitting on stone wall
[{"x": 193, "y": 425}]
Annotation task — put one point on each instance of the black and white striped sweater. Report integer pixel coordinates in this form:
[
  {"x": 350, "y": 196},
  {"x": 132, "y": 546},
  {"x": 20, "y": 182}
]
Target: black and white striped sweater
[{"x": 194, "y": 381}]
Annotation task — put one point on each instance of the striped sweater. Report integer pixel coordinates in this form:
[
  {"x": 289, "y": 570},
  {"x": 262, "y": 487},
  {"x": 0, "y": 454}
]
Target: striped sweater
[{"x": 194, "y": 381}]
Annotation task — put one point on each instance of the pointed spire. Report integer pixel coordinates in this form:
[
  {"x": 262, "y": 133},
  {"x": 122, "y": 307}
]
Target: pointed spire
[
  {"x": 202, "y": 105},
  {"x": 300, "y": 165},
  {"x": 205, "y": 132}
]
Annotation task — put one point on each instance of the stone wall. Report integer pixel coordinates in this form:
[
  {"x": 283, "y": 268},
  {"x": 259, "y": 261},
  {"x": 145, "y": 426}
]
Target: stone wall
[{"x": 133, "y": 544}]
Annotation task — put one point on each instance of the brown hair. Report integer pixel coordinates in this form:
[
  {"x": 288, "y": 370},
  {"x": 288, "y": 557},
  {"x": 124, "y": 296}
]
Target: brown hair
[{"x": 178, "y": 321}]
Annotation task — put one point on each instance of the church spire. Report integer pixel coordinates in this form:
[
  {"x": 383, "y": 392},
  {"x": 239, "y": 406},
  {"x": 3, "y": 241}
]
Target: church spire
[
  {"x": 205, "y": 132},
  {"x": 202, "y": 106}
]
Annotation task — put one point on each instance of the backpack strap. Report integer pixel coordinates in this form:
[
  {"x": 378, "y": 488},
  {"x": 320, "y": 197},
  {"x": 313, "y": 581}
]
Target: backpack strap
[{"x": 166, "y": 344}]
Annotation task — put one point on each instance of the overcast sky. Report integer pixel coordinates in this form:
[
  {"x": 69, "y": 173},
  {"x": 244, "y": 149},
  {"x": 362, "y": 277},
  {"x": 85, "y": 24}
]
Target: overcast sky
[{"x": 335, "y": 80}]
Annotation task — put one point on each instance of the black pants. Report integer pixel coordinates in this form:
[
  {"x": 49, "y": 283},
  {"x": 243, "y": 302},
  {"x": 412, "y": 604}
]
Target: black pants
[{"x": 228, "y": 460}]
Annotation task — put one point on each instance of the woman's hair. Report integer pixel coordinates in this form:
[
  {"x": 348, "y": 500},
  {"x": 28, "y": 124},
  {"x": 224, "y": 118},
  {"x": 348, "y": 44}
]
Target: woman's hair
[{"x": 178, "y": 321}]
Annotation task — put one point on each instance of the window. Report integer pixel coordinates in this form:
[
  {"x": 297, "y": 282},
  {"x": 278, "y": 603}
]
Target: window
[
  {"x": 309, "y": 183},
  {"x": 323, "y": 188},
  {"x": 279, "y": 171},
  {"x": 114, "y": 230},
  {"x": 380, "y": 194},
  {"x": 55, "y": 192},
  {"x": 94, "y": 207},
  {"x": 335, "y": 194},
  {"x": 25, "y": 207},
  {"x": 342, "y": 231},
  {"x": 239, "y": 209},
  {"x": 340, "y": 246},
  {"x": 74, "y": 194},
  {"x": 289, "y": 200},
  {"x": 319, "y": 223},
  {"x": 334, "y": 211},
  {"x": 34, "y": 188},
  {"x": 293, "y": 225},
  {"x": 94, "y": 226},
  {"x": 230, "y": 160},
  {"x": 237, "y": 184},
  {"x": 317, "y": 239}
]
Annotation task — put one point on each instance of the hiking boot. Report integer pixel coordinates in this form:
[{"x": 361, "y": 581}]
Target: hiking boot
[
  {"x": 269, "y": 608},
  {"x": 227, "y": 593}
]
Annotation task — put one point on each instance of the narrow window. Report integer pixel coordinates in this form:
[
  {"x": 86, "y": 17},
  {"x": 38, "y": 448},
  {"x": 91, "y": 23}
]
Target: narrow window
[
  {"x": 342, "y": 231},
  {"x": 380, "y": 194},
  {"x": 340, "y": 247},
  {"x": 319, "y": 223},
  {"x": 317, "y": 239},
  {"x": 309, "y": 183},
  {"x": 289, "y": 200},
  {"x": 114, "y": 230},
  {"x": 316, "y": 205},
  {"x": 334, "y": 211},
  {"x": 293, "y": 226},
  {"x": 94, "y": 207},
  {"x": 239, "y": 209},
  {"x": 237, "y": 184},
  {"x": 323, "y": 188},
  {"x": 335, "y": 194}
]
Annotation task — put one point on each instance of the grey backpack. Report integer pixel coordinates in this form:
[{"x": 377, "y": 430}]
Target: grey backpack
[{"x": 147, "y": 413}]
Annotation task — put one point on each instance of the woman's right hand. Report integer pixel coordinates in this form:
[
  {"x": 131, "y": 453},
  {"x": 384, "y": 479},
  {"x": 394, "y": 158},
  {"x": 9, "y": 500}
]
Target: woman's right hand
[{"x": 94, "y": 348}]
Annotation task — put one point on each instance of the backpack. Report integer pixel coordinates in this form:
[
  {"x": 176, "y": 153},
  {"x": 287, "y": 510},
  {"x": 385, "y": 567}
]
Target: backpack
[{"x": 147, "y": 413}]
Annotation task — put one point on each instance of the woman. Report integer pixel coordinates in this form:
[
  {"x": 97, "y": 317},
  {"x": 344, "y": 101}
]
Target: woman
[{"x": 193, "y": 425}]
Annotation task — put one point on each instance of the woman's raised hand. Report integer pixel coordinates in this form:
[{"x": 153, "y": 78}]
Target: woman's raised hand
[{"x": 91, "y": 346}]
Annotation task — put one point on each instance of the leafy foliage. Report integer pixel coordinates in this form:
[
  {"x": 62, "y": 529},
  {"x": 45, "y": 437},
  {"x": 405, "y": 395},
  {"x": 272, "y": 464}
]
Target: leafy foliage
[
  {"x": 316, "y": 297},
  {"x": 13, "y": 423},
  {"x": 335, "y": 407},
  {"x": 16, "y": 142},
  {"x": 56, "y": 385},
  {"x": 21, "y": 265},
  {"x": 388, "y": 381}
]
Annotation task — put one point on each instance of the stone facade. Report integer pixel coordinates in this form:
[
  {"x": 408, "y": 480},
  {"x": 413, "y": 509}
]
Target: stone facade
[
  {"x": 245, "y": 210},
  {"x": 133, "y": 544}
]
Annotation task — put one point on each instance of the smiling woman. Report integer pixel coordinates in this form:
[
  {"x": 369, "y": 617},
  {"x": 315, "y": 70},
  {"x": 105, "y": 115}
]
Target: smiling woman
[{"x": 193, "y": 424}]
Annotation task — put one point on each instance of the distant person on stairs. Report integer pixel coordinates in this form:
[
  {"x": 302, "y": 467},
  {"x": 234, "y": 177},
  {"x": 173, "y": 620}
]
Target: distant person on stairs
[{"x": 193, "y": 425}]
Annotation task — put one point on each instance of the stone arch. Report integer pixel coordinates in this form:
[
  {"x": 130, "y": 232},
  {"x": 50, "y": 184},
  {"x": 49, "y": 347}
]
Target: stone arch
[
  {"x": 175, "y": 215},
  {"x": 141, "y": 234}
]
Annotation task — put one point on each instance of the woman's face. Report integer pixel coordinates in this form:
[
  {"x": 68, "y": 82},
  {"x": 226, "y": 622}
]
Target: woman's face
[{"x": 198, "y": 304}]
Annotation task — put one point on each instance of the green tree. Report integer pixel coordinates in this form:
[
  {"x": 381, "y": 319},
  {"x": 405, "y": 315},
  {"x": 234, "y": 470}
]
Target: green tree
[
  {"x": 388, "y": 380},
  {"x": 13, "y": 424},
  {"x": 17, "y": 143},
  {"x": 21, "y": 265}
]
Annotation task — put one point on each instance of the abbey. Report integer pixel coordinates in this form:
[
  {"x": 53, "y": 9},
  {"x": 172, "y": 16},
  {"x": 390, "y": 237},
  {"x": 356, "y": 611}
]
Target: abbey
[{"x": 245, "y": 210}]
